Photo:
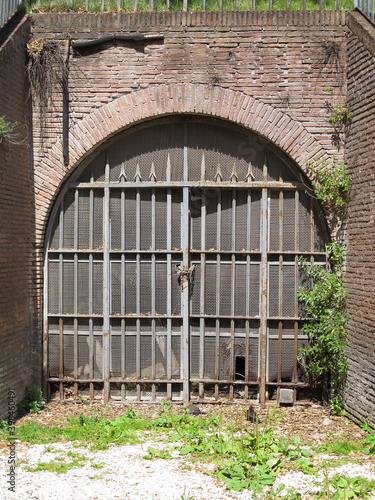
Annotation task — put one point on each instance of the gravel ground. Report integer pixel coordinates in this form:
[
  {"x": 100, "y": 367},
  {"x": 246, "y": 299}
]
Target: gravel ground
[{"x": 121, "y": 472}]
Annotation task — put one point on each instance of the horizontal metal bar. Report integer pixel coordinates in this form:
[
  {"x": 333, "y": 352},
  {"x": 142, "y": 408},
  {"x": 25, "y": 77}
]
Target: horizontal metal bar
[
  {"x": 217, "y": 316},
  {"x": 180, "y": 184},
  {"x": 116, "y": 380},
  {"x": 286, "y": 318},
  {"x": 116, "y": 316},
  {"x": 292, "y": 384},
  {"x": 223, "y": 382}
]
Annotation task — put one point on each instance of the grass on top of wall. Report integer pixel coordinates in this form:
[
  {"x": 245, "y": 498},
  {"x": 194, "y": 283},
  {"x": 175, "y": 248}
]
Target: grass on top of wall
[{"x": 193, "y": 5}]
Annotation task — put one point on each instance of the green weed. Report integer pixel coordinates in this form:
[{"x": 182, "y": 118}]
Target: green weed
[
  {"x": 59, "y": 465},
  {"x": 193, "y": 5},
  {"x": 33, "y": 401}
]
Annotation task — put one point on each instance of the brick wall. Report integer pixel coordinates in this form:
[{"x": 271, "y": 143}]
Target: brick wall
[
  {"x": 16, "y": 234},
  {"x": 360, "y": 233},
  {"x": 267, "y": 71}
]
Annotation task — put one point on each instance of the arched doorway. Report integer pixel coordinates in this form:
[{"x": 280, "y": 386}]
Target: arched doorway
[{"x": 172, "y": 266}]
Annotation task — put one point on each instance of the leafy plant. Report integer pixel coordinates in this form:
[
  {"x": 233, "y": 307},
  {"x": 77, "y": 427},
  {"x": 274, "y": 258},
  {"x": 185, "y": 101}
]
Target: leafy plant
[
  {"x": 6, "y": 128},
  {"x": 324, "y": 356},
  {"x": 369, "y": 439},
  {"x": 340, "y": 119},
  {"x": 331, "y": 183},
  {"x": 33, "y": 401},
  {"x": 351, "y": 487},
  {"x": 341, "y": 116}
]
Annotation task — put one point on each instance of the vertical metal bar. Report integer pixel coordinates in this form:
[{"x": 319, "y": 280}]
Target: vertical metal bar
[
  {"x": 203, "y": 4},
  {"x": 153, "y": 290},
  {"x": 102, "y": 6},
  {"x": 296, "y": 218},
  {"x": 151, "y": 5},
  {"x": 185, "y": 5},
  {"x": 61, "y": 357},
  {"x": 91, "y": 356},
  {"x": 248, "y": 291},
  {"x": 75, "y": 368},
  {"x": 75, "y": 342},
  {"x": 123, "y": 368},
  {"x": 138, "y": 289},
  {"x": 185, "y": 294},
  {"x": 202, "y": 290},
  {"x": 135, "y": 5},
  {"x": 286, "y": 4},
  {"x": 106, "y": 264},
  {"x": 281, "y": 243},
  {"x": 185, "y": 348},
  {"x": 337, "y": 4},
  {"x": 118, "y": 5},
  {"x": 218, "y": 291},
  {"x": 320, "y": 4},
  {"x": 253, "y": 5},
  {"x": 279, "y": 352},
  {"x": 270, "y": 4},
  {"x": 232, "y": 301},
  {"x": 304, "y": 5},
  {"x": 237, "y": 4},
  {"x": 169, "y": 280},
  {"x": 167, "y": 4},
  {"x": 263, "y": 299},
  {"x": 295, "y": 374},
  {"x": 87, "y": 4},
  {"x": 220, "y": 4}
]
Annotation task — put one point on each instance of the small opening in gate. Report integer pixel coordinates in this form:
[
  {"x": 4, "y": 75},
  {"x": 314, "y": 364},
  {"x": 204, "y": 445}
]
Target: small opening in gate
[{"x": 240, "y": 368}]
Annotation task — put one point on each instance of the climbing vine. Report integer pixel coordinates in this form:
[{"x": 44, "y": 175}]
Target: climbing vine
[
  {"x": 325, "y": 300},
  {"x": 331, "y": 183},
  {"x": 325, "y": 303}
]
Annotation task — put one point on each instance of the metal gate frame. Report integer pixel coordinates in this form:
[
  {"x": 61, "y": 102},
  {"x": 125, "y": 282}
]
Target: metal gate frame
[{"x": 265, "y": 186}]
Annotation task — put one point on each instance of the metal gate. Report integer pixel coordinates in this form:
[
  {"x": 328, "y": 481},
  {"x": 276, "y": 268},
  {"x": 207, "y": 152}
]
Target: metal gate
[{"x": 172, "y": 267}]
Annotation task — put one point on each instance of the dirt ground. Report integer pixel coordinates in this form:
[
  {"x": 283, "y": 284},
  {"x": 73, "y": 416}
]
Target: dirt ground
[{"x": 312, "y": 422}]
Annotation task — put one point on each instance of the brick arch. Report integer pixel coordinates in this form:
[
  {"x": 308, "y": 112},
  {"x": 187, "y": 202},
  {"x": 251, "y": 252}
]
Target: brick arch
[{"x": 160, "y": 100}]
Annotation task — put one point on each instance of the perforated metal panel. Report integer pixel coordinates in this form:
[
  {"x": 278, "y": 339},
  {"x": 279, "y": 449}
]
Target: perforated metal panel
[{"x": 172, "y": 265}]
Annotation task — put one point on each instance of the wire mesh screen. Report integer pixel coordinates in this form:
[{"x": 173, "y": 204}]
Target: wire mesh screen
[{"x": 171, "y": 249}]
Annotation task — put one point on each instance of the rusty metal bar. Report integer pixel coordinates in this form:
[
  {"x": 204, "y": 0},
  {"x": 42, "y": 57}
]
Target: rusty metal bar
[
  {"x": 106, "y": 290},
  {"x": 185, "y": 244},
  {"x": 70, "y": 380},
  {"x": 75, "y": 287},
  {"x": 233, "y": 287},
  {"x": 296, "y": 218},
  {"x": 153, "y": 290},
  {"x": 264, "y": 292},
  {"x": 279, "y": 351},
  {"x": 202, "y": 289},
  {"x": 198, "y": 184},
  {"x": 91, "y": 355},
  {"x": 248, "y": 288},
  {"x": 218, "y": 292},
  {"x": 123, "y": 367},
  {"x": 295, "y": 373},
  {"x": 117, "y": 380},
  {"x": 75, "y": 369},
  {"x": 169, "y": 282},
  {"x": 61, "y": 356}
]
